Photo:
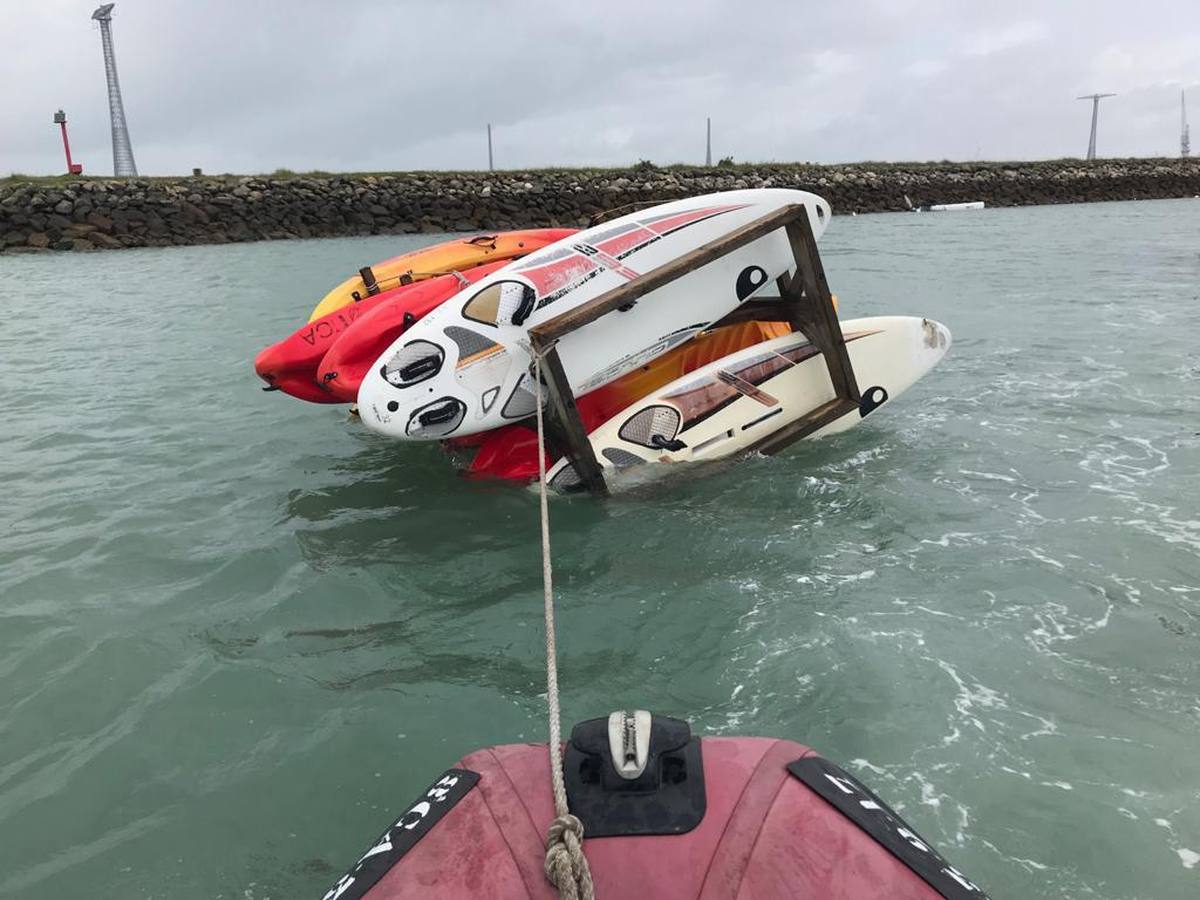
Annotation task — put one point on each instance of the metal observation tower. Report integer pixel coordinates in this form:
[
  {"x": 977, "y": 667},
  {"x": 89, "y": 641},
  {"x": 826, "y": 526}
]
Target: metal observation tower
[{"x": 123, "y": 164}]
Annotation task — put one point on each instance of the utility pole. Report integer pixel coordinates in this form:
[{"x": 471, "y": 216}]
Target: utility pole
[
  {"x": 708, "y": 143},
  {"x": 123, "y": 164},
  {"x": 490, "y": 166},
  {"x": 1185, "y": 144},
  {"x": 1095, "y": 98}
]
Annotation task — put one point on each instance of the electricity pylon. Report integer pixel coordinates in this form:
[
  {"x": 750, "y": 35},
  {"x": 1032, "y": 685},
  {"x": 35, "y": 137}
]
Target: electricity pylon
[
  {"x": 123, "y": 164},
  {"x": 1185, "y": 144}
]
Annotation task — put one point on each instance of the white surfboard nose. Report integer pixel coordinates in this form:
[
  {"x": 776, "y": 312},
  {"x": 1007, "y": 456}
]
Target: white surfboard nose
[{"x": 937, "y": 336}]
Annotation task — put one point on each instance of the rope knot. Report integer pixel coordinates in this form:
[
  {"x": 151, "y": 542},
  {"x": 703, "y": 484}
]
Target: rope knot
[
  {"x": 566, "y": 866},
  {"x": 565, "y": 829}
]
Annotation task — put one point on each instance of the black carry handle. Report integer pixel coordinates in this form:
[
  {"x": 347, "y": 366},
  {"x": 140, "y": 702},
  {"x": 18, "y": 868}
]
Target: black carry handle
[
  {"x": 522, "y": 312},
  {"x": 663, "y": 444},
  {"x": 438, "y": 416},
  {"x": 872, "y": 398},
  {"x": 422, "y": 368}
]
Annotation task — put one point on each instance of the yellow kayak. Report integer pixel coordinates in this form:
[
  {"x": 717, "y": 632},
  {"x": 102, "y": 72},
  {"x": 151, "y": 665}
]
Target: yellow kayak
[{"x": 451, "y": 256}]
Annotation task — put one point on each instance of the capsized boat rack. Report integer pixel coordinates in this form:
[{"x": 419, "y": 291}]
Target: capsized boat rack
[{"x": 804, "y": 301}]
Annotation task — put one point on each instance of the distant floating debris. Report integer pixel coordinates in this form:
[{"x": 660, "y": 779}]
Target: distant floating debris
[
  {"x": 955, "y": 207},
  {"x": 942, "y": 207}
]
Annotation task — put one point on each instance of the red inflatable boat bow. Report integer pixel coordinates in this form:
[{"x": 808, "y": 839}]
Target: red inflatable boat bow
[{"x": 713, "y": 818}]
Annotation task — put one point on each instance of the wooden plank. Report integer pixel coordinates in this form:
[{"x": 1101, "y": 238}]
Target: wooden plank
[
  {"x": 556, "y": 436},
  {"x": 568, "y": 425},
  {"x": 625, "y": 294},
  {"x": 825, "y": 334},
  {"x": 796, "y": 302},
  {"x": 805, "y": 425},
  {"x": 809, "y": 290}
]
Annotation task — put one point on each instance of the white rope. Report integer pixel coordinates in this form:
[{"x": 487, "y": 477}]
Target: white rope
[{"x": 565, "y": 866}]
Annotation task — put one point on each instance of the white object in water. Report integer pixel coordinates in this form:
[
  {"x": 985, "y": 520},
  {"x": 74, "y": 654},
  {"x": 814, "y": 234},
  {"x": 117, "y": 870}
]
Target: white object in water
[
  {"x": 955, "y": 207},
  {"x": 464, "y": 368},
  {"x": 729, "y": 405}
]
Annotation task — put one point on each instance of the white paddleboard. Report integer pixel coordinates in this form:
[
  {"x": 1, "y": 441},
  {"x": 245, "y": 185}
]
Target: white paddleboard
[
  {"x": 725, "y": 407},
  {"x": 464, "y": 368}
]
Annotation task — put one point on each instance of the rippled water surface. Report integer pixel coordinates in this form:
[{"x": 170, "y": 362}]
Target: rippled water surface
[{"x": 237, "y": 632}]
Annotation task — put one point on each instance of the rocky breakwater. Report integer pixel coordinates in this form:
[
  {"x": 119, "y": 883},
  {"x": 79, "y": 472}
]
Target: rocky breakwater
[{"x": 88, "y": 214}]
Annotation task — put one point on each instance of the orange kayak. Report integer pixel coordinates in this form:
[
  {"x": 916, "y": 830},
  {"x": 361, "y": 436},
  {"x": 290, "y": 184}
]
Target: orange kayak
[{"x": 450, "y": 256}]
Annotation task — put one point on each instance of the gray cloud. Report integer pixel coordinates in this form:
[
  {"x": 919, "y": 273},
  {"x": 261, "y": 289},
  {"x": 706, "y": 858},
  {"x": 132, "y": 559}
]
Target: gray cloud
[{"x": 244, "y": 86}]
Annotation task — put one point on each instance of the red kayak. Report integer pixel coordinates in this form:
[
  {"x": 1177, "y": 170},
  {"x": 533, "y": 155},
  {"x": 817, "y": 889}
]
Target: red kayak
[
  {"x": 291, "y": 365},
  {"x": 674, "y": 817},
  {"x": 352, "y": 351}
]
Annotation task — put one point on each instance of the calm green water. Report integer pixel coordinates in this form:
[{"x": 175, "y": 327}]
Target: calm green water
[{"x": 237, "y": 632}]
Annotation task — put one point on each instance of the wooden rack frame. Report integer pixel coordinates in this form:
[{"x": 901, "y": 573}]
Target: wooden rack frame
[{"x": 804, "y": 301}]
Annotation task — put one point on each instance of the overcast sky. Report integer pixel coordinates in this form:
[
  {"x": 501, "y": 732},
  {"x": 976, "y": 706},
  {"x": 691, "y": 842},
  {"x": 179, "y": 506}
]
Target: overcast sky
[{"x": 254, "y": 85}]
